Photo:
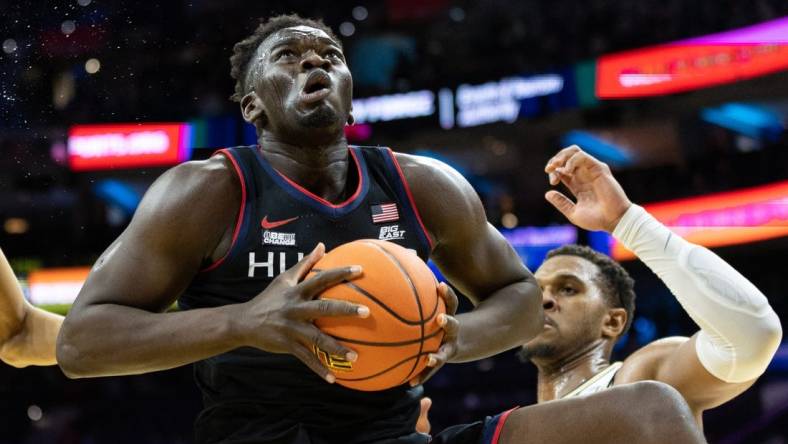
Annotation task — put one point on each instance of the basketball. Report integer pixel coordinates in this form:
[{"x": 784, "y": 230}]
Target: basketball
[{"x": 394, "y": 341}]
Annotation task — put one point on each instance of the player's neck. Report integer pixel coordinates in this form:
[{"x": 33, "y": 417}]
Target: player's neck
[
  {"x": 322, "y": 169},
  {"x": 559, "y": 377}
]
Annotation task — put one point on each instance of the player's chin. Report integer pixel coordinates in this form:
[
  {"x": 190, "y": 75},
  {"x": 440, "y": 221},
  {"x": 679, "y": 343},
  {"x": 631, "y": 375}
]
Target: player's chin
[
  {"x": 542, "y": 340},
  {"x": 318, "y": 116}
]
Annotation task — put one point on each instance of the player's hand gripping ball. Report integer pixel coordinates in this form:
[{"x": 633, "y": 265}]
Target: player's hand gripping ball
[{"x": 394, "y": 341}]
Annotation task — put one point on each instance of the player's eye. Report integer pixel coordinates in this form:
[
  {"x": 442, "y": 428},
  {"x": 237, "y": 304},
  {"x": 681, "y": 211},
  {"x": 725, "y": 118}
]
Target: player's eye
[
  {"x": 333, "y": 53},
  {"x": 567, "y": 290},
  {"x": 284, "y": 53}
]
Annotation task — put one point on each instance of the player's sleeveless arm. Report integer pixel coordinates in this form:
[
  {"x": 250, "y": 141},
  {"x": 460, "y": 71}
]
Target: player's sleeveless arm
[{"x": 740, "y": 332}]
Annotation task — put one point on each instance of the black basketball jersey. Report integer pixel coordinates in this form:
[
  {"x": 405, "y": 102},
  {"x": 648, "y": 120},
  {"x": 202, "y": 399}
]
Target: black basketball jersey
[{"x": 254, "y": 396}]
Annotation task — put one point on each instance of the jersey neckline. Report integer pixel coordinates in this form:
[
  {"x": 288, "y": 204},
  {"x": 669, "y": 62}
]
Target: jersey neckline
[{"x": 318, "y": 203}]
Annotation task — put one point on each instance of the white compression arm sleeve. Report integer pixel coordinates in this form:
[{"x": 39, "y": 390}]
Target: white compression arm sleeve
[{"x": 739, "y": 330}]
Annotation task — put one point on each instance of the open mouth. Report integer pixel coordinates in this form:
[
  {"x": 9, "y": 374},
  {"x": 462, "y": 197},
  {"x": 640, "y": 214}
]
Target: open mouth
[{"x": 317, "y": 87}]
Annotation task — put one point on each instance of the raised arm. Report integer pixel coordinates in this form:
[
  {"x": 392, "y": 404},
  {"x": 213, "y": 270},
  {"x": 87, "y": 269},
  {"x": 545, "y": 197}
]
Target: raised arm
[
  {"x": 117, "y": 325},
  {"x": 739, "y": 331},
  {"x": 27, "y": 333},
  {"x": 477, "y": 260}
]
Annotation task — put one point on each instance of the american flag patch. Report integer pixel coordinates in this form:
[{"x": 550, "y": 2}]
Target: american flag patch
[{"x": 386, "y": 212}]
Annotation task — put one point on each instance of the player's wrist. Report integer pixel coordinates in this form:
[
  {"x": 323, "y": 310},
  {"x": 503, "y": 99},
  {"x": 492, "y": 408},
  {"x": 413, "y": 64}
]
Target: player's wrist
[
  {"x": 611, "y": 226},
  {"x": 235, "y": 324}
]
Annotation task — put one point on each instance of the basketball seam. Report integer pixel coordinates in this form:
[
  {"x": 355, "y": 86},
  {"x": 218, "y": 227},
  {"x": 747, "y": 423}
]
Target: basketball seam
[
  {"x": 382, "y": 305},
  {"x": 377, "y": 301},
  {"x": 387, "y": 344},
  {"x": 435, "y": 307},
  {"x": 417, "y": 356},
  {"x": 415, "y": 292}
]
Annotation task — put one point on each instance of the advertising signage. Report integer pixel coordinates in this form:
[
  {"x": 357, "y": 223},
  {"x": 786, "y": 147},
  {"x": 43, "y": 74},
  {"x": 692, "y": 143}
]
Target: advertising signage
[
  {"x": 696, "y": 63},
  {"x": 721, "y": 219},
  {"x": 134, "y": 145}
]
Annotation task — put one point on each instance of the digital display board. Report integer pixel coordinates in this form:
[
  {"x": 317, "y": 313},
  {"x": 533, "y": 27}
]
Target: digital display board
[
  {"x": 56, "y": 286},
  {"x": 134, "y": 145}
]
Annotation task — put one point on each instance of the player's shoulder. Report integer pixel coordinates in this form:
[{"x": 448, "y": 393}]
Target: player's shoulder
[
  {"x": 212, "y": 176},
  {"x": 415, "y": 165},
  {"x": 194, "y": 187},
  {"x": 432, "y": 179},
  {"x": 216, "y": 169},
  {"x": 644, "y": 362}
]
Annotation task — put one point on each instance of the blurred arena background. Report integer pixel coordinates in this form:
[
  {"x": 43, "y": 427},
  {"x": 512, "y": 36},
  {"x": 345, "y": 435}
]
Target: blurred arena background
[{"x": 688, "y": 101}]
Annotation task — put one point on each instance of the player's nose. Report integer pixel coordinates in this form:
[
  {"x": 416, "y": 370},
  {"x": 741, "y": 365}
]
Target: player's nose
[
  {"x": 548, "y": 301},
  {"x": 313, "y": 60}
]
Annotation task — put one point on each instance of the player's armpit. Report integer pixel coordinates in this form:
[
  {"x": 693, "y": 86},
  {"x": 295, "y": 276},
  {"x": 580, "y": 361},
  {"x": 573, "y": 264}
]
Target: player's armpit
[
  {"x": 675, "y": 362},
  {"x": 476, "y": 259}
]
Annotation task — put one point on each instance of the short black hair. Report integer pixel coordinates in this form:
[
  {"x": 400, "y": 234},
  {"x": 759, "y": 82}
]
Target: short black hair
[
  {"x": 244, "y": 50},
  {"x": 616, "y": 284}
]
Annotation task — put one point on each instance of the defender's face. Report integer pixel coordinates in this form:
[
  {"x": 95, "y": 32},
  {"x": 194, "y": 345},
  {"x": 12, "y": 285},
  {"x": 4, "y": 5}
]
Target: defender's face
[
  {"x": 574, "y": 307},
  {"x": 302, "y": 80}
]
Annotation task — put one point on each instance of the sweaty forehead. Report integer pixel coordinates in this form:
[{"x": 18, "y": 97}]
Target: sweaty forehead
[
  {"x": 584, "y": 269},
  {"x": 298, "y": 33}
]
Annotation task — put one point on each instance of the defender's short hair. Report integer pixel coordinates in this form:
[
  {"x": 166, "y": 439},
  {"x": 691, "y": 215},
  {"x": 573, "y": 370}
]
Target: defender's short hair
[{"x": 614, "y": 280}]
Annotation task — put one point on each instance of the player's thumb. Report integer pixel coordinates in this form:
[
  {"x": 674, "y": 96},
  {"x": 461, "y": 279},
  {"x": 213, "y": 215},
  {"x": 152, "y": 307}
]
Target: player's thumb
[{"x": 560, "y": 202}]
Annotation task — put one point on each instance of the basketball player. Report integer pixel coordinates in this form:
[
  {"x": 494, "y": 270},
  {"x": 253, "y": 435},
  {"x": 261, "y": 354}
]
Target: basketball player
[
  {"x": 27, "y": 333},
  {"x": 233, "y": 237},
  {"x": 588, "y": 301}
]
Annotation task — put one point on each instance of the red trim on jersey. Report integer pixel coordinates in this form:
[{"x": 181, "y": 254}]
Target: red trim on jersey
[
  {"x": 410, "y": 197},
  {"x": 240, "y": 219},
  {"x": 323, "y": 201},
  {"x": 499, "y": 427}
]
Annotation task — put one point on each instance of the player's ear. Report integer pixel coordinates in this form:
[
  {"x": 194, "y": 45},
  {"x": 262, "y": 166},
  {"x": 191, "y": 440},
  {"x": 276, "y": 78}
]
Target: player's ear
[
  {"x": 614, "y": 322},
  {"x": 252, "y": 110},
  {"x": 350, "y": 119}
]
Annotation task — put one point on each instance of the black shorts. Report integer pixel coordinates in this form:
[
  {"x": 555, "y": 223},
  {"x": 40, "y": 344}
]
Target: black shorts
[{"x": 479, "y": 432}]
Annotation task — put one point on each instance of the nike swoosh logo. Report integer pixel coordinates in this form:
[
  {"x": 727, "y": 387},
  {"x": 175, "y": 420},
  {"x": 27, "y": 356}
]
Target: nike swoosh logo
[{"x": 269, "y": 225}]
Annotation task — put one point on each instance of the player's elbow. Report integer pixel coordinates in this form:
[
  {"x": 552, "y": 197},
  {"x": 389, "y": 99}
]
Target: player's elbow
[
  {"x": 532, "y": 322},
  {"x": 69, "y": 351},
  {"x": 661, "y": 414},
  {"x": 13, "y": 357},
  {"x": 762, "y": 343},
  {"x": 773, "y": 332}
]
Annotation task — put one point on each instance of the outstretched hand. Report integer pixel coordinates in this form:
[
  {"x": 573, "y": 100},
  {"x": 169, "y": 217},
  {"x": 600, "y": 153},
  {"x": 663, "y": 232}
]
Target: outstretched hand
[{"x": 600, "y": 200}]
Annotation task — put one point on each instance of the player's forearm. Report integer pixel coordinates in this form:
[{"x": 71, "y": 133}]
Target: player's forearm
[
  {"x": 507, "y": 319},
  {"x": 34, "y": 344},
  {"x": 739, "y": 330},
  {"x": 12, "y": 302},
  {"x": 109, "y": 340}
]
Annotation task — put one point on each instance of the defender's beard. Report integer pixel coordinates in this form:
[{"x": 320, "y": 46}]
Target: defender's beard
[{"x": 525, "y": 354}]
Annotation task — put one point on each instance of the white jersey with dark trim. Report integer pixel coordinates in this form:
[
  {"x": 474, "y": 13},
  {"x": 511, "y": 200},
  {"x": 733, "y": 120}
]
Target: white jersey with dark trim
[{"x": 596, "y": 383}]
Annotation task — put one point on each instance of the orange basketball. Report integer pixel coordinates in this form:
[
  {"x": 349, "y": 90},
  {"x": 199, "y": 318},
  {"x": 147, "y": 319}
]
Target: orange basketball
[{"x": 394, "y": 341}]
